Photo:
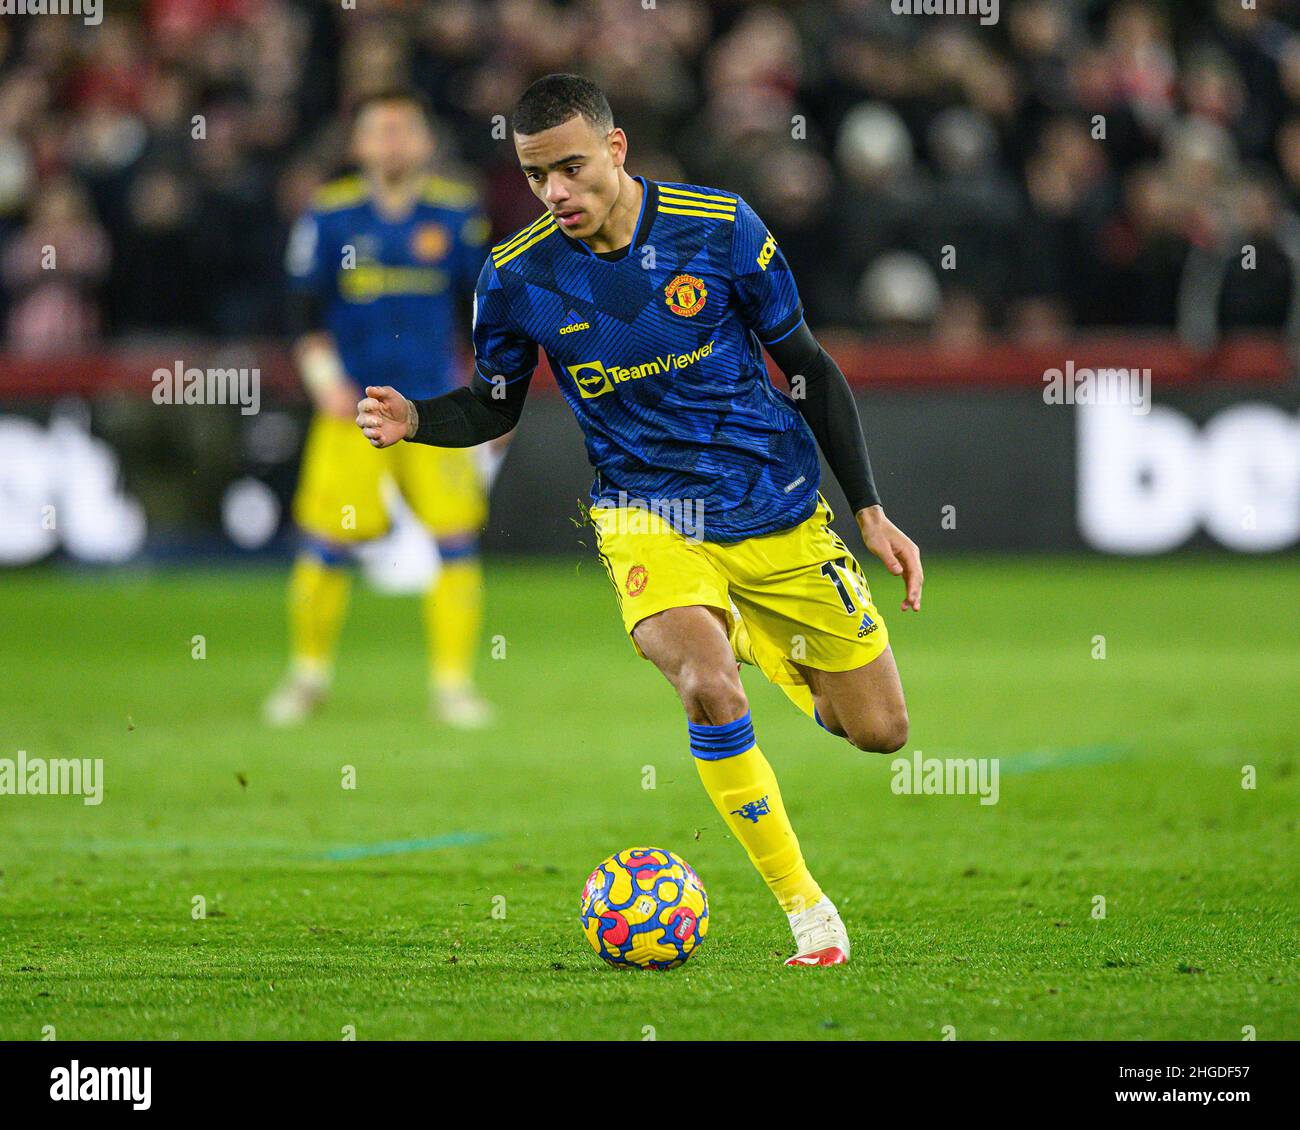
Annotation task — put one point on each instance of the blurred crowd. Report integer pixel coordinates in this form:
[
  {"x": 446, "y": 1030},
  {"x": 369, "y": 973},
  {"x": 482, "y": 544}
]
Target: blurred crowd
[{"x": 1078, "y": 164}]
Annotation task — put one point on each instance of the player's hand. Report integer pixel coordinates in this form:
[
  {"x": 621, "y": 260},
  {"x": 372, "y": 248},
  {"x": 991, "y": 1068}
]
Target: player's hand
[
  {"x": 896, "y": 550},
  {"x": 338, "y": 400},
  {"x": 385, "y": 417},
  {"x": 323, "y": 376}
]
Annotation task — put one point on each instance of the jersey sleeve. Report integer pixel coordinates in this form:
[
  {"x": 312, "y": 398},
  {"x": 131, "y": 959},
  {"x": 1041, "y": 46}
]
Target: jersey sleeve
[
  {"x": 766, "y": 294},
  {"x": 501, "y": 347},
  {"x": 305, "y": 257}
]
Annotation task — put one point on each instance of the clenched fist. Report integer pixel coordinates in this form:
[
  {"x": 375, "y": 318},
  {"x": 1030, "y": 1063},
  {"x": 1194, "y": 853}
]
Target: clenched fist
[{"x": 386, "y": 416}]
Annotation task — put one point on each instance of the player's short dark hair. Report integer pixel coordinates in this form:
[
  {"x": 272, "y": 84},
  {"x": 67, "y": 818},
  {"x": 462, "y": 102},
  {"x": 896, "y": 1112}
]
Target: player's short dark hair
[
  {"x": 388, "y": 95},
  {"x": 553, "y": 99}
]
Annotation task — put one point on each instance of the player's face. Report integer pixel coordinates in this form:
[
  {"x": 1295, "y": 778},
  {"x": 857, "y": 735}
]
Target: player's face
[
  {"x": 392, "y": 140},
  {"x": 573, "y": 170}
]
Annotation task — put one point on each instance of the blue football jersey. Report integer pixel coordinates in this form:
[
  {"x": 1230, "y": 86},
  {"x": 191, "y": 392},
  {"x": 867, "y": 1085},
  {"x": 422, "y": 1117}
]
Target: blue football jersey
[
  {"x": 658, "y": 356},
  {"x": 389, "y": 286}
]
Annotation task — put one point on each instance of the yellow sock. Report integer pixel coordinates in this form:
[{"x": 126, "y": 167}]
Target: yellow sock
[
  {"x": 743, "y": 789},
  {"x": 318, "y": 600},
  {"x": 801, "y": 696},
  {"x": 453, "y": 618},
  {"x": 742, "y": 647}
]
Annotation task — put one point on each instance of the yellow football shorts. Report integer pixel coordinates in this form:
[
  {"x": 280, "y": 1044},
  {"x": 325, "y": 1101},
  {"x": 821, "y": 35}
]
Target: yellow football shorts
[
  {"x": 340, "y": 490},
  {"x": 801, "y": 594}
]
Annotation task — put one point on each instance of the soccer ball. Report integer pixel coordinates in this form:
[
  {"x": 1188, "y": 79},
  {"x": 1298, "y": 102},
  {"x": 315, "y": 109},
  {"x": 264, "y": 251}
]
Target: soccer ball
[{"x": 645, "y": 908}]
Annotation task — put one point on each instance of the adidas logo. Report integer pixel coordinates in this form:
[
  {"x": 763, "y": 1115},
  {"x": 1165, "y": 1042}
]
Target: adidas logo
[{"x": 574, "y": 324}]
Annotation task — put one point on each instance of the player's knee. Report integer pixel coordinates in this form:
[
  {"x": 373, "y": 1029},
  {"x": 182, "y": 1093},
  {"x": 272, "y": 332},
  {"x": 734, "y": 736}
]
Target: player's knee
[
  {"x": 894, "y": 735},
  {"x": 886, "y": 734},
  {"x": 711, "y": 695}
]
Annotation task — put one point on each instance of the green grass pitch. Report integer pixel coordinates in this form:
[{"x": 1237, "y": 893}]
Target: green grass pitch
[{"x": 1121, "y": 778}]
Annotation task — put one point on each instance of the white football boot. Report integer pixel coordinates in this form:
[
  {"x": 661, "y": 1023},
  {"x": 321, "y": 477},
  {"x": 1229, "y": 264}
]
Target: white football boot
[
  {"x": 296, "y": 699},
  {"x": 819, "y": 935},
  {"x": 461, "y": 707}
]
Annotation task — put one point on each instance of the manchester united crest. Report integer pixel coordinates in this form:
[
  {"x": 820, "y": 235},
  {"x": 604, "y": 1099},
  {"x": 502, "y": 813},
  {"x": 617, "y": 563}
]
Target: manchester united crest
[
  {"x": 636, "y": 579},
  {"x": 685, "y": 295},
  {"x": 429, "y": 242}
]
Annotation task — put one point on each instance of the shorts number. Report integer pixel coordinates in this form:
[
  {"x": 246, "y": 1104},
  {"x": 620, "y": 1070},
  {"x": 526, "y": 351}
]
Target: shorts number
[{"x": 833, "y": 575}]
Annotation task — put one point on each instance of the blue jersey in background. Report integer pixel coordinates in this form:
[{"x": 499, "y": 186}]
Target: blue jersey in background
[{"x": 389, "y": 286}]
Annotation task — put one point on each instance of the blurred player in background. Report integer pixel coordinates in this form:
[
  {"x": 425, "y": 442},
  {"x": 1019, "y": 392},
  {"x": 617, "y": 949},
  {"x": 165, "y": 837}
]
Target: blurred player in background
[{"x": 378, "y": 268}]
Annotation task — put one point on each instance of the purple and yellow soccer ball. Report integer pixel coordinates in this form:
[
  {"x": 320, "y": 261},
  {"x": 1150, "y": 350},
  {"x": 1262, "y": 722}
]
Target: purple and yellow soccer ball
[{"x": 645, "y": 908}]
